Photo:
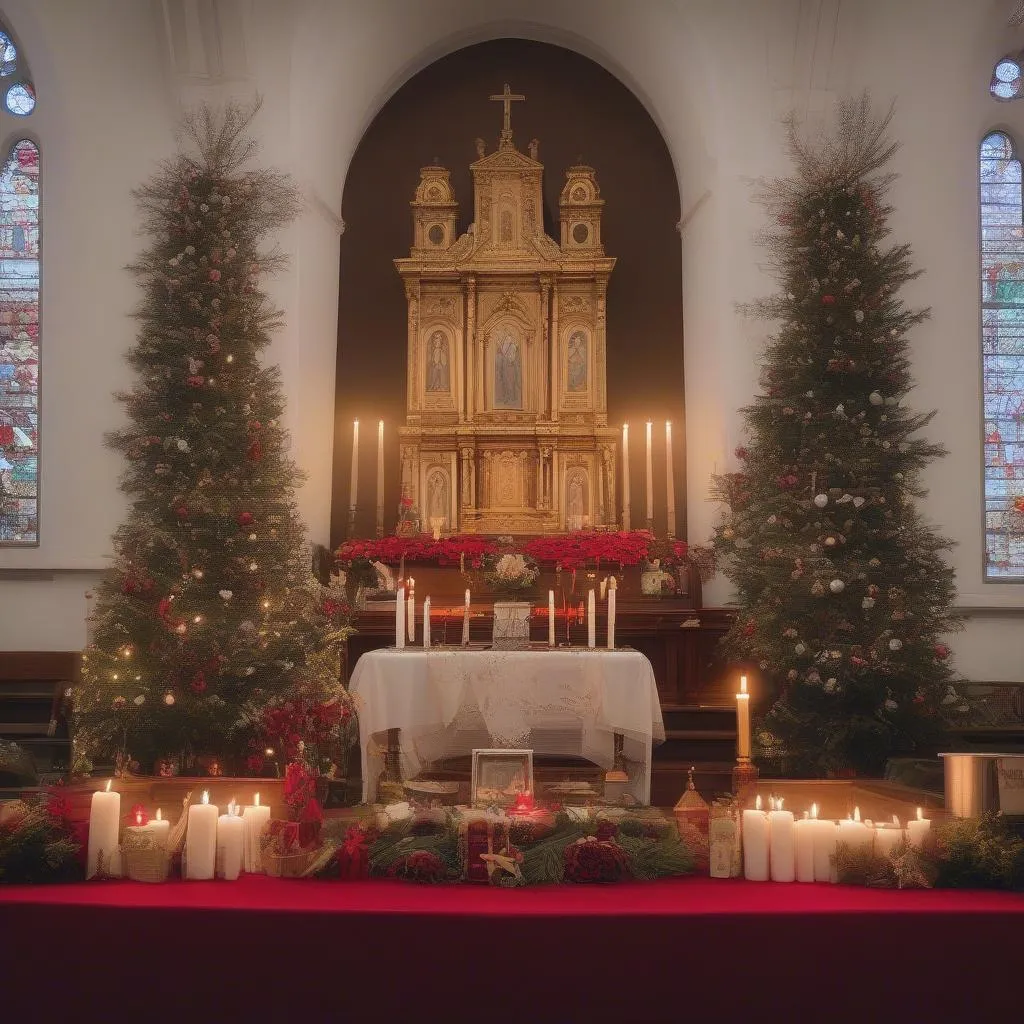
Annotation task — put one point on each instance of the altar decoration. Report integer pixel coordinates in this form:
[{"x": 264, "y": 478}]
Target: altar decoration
[
  {"x": 38, "y": 842},
  {"x": 693, "y": 819},
  {"x": 209, "y": 611},
  {"x": 501, "y": 777},
  {"x": 144, "y": 856},
  {"x": 725, "y": 850},
  {"x": 104, "y": 857},
  {"x": 844, "y": 592}
]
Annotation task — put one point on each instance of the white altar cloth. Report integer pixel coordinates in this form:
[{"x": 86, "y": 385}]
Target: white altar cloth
[{"x": 446, "y": 702}]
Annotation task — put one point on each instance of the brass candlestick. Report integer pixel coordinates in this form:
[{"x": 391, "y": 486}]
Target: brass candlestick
[{"x": 744, "y": 780}]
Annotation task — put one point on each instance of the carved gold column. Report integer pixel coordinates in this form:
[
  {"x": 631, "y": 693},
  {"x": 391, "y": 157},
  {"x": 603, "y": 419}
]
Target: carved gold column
[
  {"x": 545, "y": 305},
  {"x": 599, "y": 325},
  {"x": 554, "y": 353},
  {"x": 412, "y": 290},
  {"x": 470, "y": 357}
]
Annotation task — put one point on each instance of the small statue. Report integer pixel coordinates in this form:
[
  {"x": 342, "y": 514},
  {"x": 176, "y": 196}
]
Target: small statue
[
  {"x": 481, "y": 149},
  {"x": 534, "y": 148}
]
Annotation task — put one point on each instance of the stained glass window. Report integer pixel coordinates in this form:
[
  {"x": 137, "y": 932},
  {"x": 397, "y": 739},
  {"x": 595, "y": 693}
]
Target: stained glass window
[
  {"x": 1006, "y": 79},
  {"x": 19, "y": 345}
]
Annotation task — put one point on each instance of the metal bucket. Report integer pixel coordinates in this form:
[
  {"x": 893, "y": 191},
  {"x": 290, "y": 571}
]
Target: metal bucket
[{"x": 971, "y": 785}]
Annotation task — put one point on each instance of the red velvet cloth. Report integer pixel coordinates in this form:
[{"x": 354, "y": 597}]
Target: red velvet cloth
[{"x": 631, "y": 953}]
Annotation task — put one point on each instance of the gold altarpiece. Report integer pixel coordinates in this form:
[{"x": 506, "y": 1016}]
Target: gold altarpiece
[{"x": 506, "y": 424}]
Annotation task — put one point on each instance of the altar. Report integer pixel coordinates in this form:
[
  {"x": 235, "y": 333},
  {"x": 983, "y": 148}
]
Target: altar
[{"x": 448, "y": 701}]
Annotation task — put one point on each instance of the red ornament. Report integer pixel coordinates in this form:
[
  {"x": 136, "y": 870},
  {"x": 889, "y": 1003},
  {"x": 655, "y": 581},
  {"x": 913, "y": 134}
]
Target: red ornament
[
  {"x": 1018, "y": 504},
  {"x": 941, "y": 652},
  {"x": 198, "y": 684},
  {"x": 215, "y": 276},
  {"x": 245, "y": 519},
  {"x": 137, "y": 815},
  {"x": 181, "y": 512},
  {"x": 254, "y": 452},
  {"x": 828, "y": 300},
  {"x": 194, "y": 381}
]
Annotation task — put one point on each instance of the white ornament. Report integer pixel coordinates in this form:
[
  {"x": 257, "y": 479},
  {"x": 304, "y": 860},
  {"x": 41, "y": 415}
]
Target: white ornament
[
  {"x": 895, "y": 644},
  {"x": 875, "y": 398},
  {"x": 830, "y": 542},
  {"x": 858, "y": 501},
  {"x": 858, "y": 315},
  {"x": 168, "y": 698},
  {"x": 140, "y": 700},
  {"x": 868, "y": 603},
  {"x": 800, "y": 648},
  {"x": 183, "y": 445},
  {"x": 830, "y": 685},
  {"x": 226, "y": 594},
  {"x": 821, "y": 500},
  {"x": 891, "y": 705},
  {"x": 837, "y": 586}
]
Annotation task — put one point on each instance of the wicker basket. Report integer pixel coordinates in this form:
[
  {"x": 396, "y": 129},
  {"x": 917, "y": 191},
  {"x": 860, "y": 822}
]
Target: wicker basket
[
  {"x": 144, "y": 861},
  {"x": 287, "y": 865}
]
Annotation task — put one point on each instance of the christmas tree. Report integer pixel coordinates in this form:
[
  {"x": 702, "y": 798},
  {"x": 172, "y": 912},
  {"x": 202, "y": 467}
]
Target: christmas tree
[
  {"x": 209, "y": 615},
  {"x": 844, "y": 596}
]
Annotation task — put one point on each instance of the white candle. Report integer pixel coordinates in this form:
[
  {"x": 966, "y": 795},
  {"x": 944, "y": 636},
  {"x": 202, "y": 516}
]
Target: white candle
[
  {"x": 255, "y": 819},
  {"x": 426, "y": 623},
  {"x": 380, "y": 479},
  {"x": 743, "y": 720},
  {"x": 826, "y": 835},
  {"x": 887, "y": 838},
  {"x": 410, "y": 616},
  {"x": 612, "y": 596},
  {"x": 670, "y": 480},
  {"x": 604, "y": 588},
  {"x": 551, "y": 618},
  {"x": 650, "y": 477},
  {"x": 625, "y": 476},
  {"x": 400, "y": 618},
  {"x": 104, "y": 832},
  {"x": 782, "y": 844},
  {"x": 201, "y": 840},
  {"x": 855, "y": 833},
  {"x": 465, "y": 621},
  {"x": 230, "y": 840},
  {"x": 805, "y": 831},
  {"x": 353, "y": 487},
  {"x": 159, "y": 829},
  {"x": 756, "y": 837},
  {"x": 917, "y": 829},
  {"x": 591, "y": 618}
]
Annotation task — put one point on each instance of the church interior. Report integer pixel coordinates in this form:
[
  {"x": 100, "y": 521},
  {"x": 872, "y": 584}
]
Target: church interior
[{"x": 456, "y": 456}]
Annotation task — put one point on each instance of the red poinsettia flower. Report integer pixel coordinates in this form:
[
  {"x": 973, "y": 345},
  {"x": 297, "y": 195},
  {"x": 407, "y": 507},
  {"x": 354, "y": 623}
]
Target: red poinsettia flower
[{"x": 828, "y": 300}]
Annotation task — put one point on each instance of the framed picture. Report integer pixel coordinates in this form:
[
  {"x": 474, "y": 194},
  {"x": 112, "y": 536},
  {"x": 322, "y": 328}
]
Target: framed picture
[{"x": 499, "y": 776}]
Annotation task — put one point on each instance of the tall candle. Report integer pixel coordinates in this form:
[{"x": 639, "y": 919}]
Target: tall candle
[
  {"x": 591, "y": 619},
  {"x": 826, "y": 835},
  {"x": 201, "y": 840},
  {"x": 782, "y": 844},
  {"x": 804, "y": 834},
  {"x": 104, "y": 833},
  {"x": 400, "y": 618},
  {"x": 855, "y": 833},
  {"x": 353, "y": 487},
  {"x": 380, "y": 478},
  {"x": 887, "y": 838},
  {"x": 625, "y": 476},
  {"x": 160, "y": 829},
  {"x": 650, "y": 476},
  {"x": 612, "y": 597},
  {"x": 426, "y": 623},
  {"x": 604, "y": 588},
  {"x": 255, "y": 819},
  {"x": 670, "y": 480},
  {"x": 230, "y": 840},
  {"x": 917, "y": 829},
  {"x": 465, "y": 621},
  {"x": 756, "y": 838},
  {"x": 743, "y": 720},
  {"x": 410, "y": 614},
  {"x": 551, "y": 618}
]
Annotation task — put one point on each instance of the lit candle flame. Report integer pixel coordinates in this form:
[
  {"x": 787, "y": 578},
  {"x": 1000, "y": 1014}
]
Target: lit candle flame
[
  {"x": 856, "y": 814},
  {"x": 814, "y": 810},
  {"x": 206, "y": 797},
  {"x": 781, "y": 801},
  {"x": 743, "y": 684},
  {"x": 757, "y": 802},
  {"x": 109, "y": 781},
  {"x": 256, "y": 800},
  {"x": 159, "y": 816},
  {"x": 138, "y": 817}
]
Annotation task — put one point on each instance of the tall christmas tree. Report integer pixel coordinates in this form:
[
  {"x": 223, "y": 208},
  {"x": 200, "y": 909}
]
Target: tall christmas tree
[
  {"x": 844, "y": 596},
  {"x": 210, "y": 613}
]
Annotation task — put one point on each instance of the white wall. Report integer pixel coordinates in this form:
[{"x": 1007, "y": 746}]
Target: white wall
[{"x": 714, "y": 74}]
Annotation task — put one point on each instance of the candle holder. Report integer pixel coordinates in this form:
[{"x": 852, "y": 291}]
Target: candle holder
[
  {"x": 744, "y": 780},
  {"x": 351, "y": 529}
]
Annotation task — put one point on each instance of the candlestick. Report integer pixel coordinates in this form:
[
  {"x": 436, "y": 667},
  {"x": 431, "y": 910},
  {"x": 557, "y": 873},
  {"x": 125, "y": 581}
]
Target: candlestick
[
  {"x": 255, "y": 819},
  {"x": 201, "y": 840},
  {"x": 804, "y": 832},
  {"x": 625, "y": 476},
  {"x": 353, "y": 487},
  {"x": 591, "y": 619},
  {"x": 670, "y": 479},
  {"x": 465, "y": 622},
  {"x": 756, "y": 838},
  {"x": 426, "y": 623},
  {"x": 650, "y": 478},
  {"x": 612, "y": 599},
  {"x": 782, "y": 844},
  {"x": 410, "y": 617},
  {"x": 743, "y": 721},
  {"x": 826, "y": 836},
  {"x": 380, "y": 478},
  {"x": 917, "y": 829},
  {"x": 103, "y": 856},
  {"x": 551, "y": 618},
  {"x": 400, "y": 618},
  {"x": 230, "y": 840}
]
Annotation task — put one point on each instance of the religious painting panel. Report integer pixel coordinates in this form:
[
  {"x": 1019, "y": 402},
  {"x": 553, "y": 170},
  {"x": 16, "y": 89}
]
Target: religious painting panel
[
  {"x": 438, "y": 359},
  {"x": 577, "y": 498},
  {"x": 507, "y": 349},
  {"x": 577, "y": 367}
]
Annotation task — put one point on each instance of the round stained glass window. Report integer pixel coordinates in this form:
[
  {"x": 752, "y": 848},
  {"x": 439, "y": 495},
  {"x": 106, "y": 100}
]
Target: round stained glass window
[
  {"x": 21, "y": 99},
  {"x": 8, "y": 55},
  {"x": 1007, "y": 71}
]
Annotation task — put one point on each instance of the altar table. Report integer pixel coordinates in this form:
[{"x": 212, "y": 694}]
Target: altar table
[{"x": 446, "y": 702}]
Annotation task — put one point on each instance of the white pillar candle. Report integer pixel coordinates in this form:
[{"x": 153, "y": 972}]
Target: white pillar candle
[
  {"x": 255, "y": 819},
  {"x": 650, "y": 476},
  {"x": 625, "y": 476},
  {"x": 465, "y": 621},
  {"x": 782, "y": 844},
  {"x": 612, "y": 598},
  {"x": 743, "y": 720},
  {"x": 887, "y": 838},
  {"x": 201, "y": 840},
  {"x": 230, "y": 840},
  {"x": 670, "y": 480},
  {"x": 104, "y": 833},
  {"x": 426, "y": 623},
  {"x": 380, "y": 479},
  {"x": 159, "y": 829},
  {"x": 551, "y": 618},
  {"x": 756, "y": 837},
  {"x": 917, "y": 829},
  {"x": 410, "y": 612},
  {"x": 855, "y": 833},
  {"x": 400, "y": 618},
  {"x": 826, "y": 835},
  {"x": 805, "y": 831},
  {"x": 591, "y": 619},
  {"x": 353, "y": 486}
]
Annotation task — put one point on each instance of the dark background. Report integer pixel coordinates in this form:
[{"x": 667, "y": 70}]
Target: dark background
[{"x": 577, "y": 110}]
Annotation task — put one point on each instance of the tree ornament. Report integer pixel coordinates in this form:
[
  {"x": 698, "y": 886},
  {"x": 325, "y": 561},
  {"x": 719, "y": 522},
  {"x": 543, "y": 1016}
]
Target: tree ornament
[
  {"x": 875, "y": 398},
  {"x": 891, "y": 705},
  {"x": 895, "y": 644},
  {"x": 800, "y": 648},
  {"x": 817, "y": 588},
  {"x": 821, "y": 500},
  {"x": 831, "y": 684},
  {"x": 169, "y": 698},
  {"x": 867, "y": 603},
  {"x": 837, "y": 586}
]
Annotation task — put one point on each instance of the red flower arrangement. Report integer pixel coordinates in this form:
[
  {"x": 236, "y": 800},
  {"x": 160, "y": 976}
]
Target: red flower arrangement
[
  {"x": 595, "y": 860},
  {"x": 303, "y": 721},
  {"x": 391, "y": 550},
  {"x": 419, "y": 866},
  {"x": 575, "y": 550}
]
